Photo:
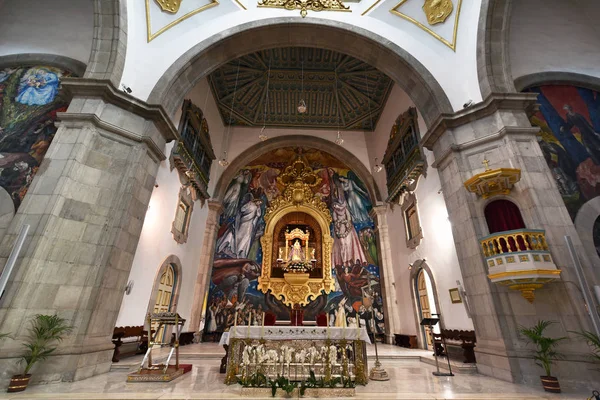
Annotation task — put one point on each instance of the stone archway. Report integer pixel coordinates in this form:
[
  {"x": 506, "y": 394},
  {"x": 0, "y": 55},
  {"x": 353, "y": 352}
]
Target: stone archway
[
  {"x": 107, "y": 58},
  {"x": 302, "y": 141},
  {"x": 345, "y": 38},
  {"x": 493, "y": 61}
]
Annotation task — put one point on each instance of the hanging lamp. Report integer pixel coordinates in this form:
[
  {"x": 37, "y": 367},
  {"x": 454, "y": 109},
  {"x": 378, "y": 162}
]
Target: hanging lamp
[
  {"x": 263, "y": 135},
  {"x": 223, "y": 162},
  {"x": 338, "y": 140},
  {"x": 378, "y": 167},
  {"x": 302, "y": 104}
]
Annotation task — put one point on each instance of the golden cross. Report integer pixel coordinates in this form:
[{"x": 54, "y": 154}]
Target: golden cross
[{"x": 487, "y": 164}]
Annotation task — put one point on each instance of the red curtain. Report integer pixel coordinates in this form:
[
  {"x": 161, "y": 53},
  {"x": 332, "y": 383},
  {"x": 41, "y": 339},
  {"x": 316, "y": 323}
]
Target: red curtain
[{"x": 503, "y": 215}]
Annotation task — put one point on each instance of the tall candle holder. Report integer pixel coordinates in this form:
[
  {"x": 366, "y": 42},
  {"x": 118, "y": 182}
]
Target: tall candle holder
[{"x": 378, "y": 373}]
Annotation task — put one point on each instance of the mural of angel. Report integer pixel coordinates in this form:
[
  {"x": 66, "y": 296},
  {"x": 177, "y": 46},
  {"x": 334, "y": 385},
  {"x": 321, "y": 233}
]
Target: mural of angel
[
  {"x": 357, "y": 199},
  {"x": 346, "y": 246},
  {"x": 235, "y": 192},
  {"x": 38, "y": 87},
  {"x": 245, "y": 225}
]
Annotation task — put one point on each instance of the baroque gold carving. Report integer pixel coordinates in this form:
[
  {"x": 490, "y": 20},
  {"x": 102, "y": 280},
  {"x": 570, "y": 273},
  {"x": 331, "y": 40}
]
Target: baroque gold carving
[
  {"x": 151, "y": 36},
  {"x": 305, "y": 5},
  {"x": 448, "y": 42},
  {"x": 297, "y": 196},
  {"x": 171, "y": 6},
  {"x": 437, "y": 11}
]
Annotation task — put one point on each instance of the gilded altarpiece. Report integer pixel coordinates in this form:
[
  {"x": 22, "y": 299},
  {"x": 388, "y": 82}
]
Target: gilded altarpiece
[{"x": 296, "y": 287}]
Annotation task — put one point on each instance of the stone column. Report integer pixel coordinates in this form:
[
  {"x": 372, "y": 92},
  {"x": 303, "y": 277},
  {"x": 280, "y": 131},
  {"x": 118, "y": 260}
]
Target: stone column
[
  {"x": 215, "y": 208},
  {"x": 86, "y": 207},
  {"x": 498, "y": 130},
  {"x": 378, "y": 213}
]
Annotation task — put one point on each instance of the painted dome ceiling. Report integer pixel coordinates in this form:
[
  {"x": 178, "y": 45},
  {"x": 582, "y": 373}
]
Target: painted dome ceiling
[{"x": 332, "y": 81}]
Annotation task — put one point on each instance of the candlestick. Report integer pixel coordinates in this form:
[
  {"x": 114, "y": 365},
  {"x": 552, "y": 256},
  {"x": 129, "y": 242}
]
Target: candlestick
[
  {"x": 249, "y": 323},
  {"x": 262, "y": 326},
  {"x": 235, "y": 320}
]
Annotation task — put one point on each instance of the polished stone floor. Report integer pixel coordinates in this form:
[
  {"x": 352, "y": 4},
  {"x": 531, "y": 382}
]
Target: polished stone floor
[{"x": 410, "y": 378}]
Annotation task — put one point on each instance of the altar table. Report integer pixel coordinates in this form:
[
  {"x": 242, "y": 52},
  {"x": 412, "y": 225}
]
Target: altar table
[
  {"x": 346, "y": 355},
  {"x": 294, "y": 333}
]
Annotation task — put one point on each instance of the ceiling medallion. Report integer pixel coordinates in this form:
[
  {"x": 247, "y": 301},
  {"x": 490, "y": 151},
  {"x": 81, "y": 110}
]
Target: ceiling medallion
[
  {"x": 151, "y": 36},
  {"x": 437, "y": 11},
  {"x": 305, "y": 5},
  {"x": 171, "y": 6}
]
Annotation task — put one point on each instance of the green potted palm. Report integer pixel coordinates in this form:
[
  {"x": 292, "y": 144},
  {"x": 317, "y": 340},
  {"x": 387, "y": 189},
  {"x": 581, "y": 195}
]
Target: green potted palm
[
  {"x": 593, "y": 341},
  {"x": 45, "y": 332},
  {"x": 545, "y": 352}
]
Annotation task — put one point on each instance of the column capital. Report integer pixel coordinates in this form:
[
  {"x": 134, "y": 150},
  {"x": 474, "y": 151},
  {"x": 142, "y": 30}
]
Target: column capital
[
  {"x": 215, "y": 206},
  {"x": 520, "y": 102},
  {"x": 378, "y": 211}
]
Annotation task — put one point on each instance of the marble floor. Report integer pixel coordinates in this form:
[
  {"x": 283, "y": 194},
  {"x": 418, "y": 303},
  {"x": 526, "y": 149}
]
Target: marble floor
[{"x": 410, "y": 378}]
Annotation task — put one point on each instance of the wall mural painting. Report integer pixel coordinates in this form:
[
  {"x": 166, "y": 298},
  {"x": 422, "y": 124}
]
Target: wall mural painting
[
  {"x": 30, "y": 97},
  {"x": 569, "y": 118},
  {"x": 238, "y": 255}
]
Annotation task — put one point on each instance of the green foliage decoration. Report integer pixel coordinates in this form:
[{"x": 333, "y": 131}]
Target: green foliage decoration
[
  {"x": 545, "y": 352},
  {"x": 40, "y": 343}
]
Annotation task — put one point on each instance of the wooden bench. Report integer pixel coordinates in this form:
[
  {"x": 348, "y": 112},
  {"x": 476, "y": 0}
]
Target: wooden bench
[
  {"x": 129, "y": 340},
  {"x": 408, "y": 341},
  {"x": 457, "y": 344}
]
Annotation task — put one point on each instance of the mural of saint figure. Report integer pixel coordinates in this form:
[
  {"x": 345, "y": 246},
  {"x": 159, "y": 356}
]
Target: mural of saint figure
[
  {"x": 590, "y": 138},
  {"x": 38, "y": 87},
  {"x": 296, "y": 252},
  {"x": 245, "y": 226},
  {"x": 234, "y": 193},
  {"x": 346, "y": 246},
  {"x": 356, "y": 199}
]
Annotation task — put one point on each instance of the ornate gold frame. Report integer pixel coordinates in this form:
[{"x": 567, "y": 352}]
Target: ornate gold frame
[{"x": 296, "y": 288}]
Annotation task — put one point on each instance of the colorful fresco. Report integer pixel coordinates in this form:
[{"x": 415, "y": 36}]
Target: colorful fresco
[
  {"x": 30, "y": 97},
  {"x": 569, "y": 118},
  {"x": 238, "y": 255}
]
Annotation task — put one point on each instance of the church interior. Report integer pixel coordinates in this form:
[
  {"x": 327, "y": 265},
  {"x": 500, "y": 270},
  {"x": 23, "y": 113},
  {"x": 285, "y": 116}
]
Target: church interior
[{"x": 221, "y": 199}]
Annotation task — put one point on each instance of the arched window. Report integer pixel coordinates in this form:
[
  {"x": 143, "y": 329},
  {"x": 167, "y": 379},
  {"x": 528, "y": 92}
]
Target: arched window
[{"x": 503, "y": 215}]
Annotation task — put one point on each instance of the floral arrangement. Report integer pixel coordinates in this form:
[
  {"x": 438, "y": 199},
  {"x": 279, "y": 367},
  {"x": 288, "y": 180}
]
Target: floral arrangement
[{"x": 298, "y": 266}]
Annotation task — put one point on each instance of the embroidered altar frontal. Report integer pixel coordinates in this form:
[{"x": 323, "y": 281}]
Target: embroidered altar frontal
[{"x": 295, "y": 352}]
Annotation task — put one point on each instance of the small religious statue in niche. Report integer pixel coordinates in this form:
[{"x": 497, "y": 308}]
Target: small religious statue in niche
[
  {"x": 437, "y": 11},
  {"x": 296, "y": 252},
  {"x": 280, "y": 254},
  {"x": 312, "y": 254}
]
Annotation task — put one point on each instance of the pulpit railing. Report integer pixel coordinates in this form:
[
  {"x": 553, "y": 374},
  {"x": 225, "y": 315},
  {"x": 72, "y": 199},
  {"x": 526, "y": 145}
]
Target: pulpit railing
[{"x": 519, "y": 240}]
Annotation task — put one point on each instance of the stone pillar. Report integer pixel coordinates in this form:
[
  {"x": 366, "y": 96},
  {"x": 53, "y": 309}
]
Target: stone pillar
[
  {"x": 498, "y": 130},
  {"x": 86, "y": 207},
  {"x": 378, "y": 213},
  {"x": 215, "y": 208}
]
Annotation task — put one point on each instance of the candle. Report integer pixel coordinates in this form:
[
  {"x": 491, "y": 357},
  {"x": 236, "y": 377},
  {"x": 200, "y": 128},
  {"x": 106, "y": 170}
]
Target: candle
[
  {"x": 249, "y": 322},
  {"x": 262, "y": 326},
  {"x": 235, "y": 320}
]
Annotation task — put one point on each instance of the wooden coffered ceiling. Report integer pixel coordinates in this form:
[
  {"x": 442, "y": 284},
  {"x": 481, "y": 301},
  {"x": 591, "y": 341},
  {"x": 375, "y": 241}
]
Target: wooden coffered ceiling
[{"x": 332, "y": 82}]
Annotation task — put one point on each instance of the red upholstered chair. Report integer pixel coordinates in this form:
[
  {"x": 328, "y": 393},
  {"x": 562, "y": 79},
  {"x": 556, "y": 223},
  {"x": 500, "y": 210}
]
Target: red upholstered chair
[
  {"x": 322, "y": 319},
  {"x": 270, "y": 318}
]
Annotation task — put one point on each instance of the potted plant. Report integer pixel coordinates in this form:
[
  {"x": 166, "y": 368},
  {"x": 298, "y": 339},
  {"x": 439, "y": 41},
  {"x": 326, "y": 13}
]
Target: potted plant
[
  {"x": 593, "y": 341},
  {"x": 45, "y": 332},
  {"x": 545, "y": 352}
]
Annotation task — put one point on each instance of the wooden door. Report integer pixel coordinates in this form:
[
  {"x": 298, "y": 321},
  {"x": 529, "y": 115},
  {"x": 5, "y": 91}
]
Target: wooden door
[
  {"x": 424, "y": 304},
  {"x": 164, "y": 297}
]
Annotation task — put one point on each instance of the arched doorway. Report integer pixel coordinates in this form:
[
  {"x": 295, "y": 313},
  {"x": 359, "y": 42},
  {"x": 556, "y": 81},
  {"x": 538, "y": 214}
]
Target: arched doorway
[
  {"x": 426, "y": 305},
  {"x": 165, "y": 291},
  {"x": 164, "y": 297}
]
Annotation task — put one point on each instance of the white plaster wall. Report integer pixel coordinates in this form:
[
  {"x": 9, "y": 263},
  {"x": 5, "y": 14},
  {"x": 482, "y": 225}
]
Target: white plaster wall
[
  {"x": 156, "y": 240},
  {"x": 554, "y": 35},
  {"x": 354, "y": 141},
  {"x": 62, "y": 27},
  {"x": 146, "y": 62},
  {"x": 437, "y": 246}
]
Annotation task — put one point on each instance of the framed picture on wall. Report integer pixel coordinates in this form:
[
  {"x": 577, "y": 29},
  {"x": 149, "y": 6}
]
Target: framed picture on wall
[{"x": 455, "y": 296}]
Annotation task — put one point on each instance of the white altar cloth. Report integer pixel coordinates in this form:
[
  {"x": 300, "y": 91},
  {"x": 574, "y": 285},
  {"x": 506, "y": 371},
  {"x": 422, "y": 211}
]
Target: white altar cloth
[{"x": 295, "y": 333}]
